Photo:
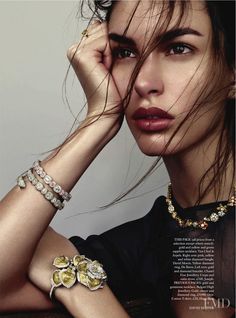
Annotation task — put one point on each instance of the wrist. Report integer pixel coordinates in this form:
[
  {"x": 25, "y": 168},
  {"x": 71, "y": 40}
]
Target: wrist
[
  {"x": 77, "y": 300},
  {"x": 78, "y": 151},
  {"x": 106, "y": 125},
  {"x": 66, "y": 297},
  {"x": 81, "y": 302}
]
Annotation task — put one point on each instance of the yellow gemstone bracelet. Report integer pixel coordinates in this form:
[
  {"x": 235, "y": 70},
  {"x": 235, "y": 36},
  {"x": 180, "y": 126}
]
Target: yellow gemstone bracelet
[{"x": 81, "y": 269}]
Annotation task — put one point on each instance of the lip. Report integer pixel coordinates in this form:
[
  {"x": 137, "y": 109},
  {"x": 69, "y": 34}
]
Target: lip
[{"x": 152, "y": 119}]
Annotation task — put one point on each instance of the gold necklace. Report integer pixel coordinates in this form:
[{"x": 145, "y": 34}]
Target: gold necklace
[{"x": 221, "y": 210}]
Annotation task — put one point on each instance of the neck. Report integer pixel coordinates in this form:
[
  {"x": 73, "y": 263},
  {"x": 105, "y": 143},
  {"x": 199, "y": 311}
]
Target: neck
[{"x": 186, "y": 170}]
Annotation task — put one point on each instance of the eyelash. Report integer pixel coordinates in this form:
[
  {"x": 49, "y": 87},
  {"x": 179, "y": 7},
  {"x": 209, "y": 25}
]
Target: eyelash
[
  {"x": 179, "y": 44},
  {"x": 118, "y": 50}
]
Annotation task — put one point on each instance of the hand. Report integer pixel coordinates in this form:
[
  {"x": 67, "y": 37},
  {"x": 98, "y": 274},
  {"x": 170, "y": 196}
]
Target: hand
[{"x": 92, "y": 60}]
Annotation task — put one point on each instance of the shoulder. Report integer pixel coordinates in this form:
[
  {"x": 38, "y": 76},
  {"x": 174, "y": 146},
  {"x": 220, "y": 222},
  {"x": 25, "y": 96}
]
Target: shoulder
[
  {"x": 129, "y": 234},
  {"x": 143, "y": 225}
]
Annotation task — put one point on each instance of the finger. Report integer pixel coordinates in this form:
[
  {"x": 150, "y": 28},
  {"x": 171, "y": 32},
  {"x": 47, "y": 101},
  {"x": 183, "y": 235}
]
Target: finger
[
  {"x": 107, "y": 53},
  {"x": 92, "y": 29},
  {"x": 95, "y": 41}
]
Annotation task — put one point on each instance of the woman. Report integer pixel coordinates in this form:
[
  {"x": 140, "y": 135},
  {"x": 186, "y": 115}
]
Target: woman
[{"x": 168, "y": 68}]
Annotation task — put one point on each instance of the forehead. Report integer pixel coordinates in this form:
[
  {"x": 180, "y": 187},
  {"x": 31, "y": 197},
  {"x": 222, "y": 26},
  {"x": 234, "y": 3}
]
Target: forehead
[{"x": 144, "y": 16}]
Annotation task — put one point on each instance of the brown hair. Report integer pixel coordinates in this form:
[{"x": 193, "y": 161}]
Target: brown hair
[{"x": 221, "y": 14}]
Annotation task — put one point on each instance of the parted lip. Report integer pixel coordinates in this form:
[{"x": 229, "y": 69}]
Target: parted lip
[{"x": 148, "y": 113}]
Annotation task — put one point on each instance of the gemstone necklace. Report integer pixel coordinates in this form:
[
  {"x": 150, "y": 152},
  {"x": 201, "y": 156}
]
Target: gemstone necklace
[{"x": 221, "y": 210}]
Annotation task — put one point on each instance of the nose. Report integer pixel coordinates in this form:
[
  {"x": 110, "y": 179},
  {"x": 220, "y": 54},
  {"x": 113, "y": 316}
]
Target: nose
[{"x": 149, "y": 81}]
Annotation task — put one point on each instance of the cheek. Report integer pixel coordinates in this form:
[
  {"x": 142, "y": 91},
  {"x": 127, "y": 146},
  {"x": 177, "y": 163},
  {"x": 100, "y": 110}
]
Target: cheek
[
  {"x": 184, "y": 92},
  {"x": 184, "y": 80}
]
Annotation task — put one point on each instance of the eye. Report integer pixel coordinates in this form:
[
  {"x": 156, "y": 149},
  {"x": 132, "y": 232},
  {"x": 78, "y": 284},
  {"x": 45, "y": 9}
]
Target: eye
[
  {"x": 179, "y": 49},
  {"x": 122, "y": 53}
]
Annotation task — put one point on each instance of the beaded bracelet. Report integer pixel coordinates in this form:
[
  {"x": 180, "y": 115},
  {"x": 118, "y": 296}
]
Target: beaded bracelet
[
  {"x": 48, "y": 195},
  {"x": 49, "y": 181}
]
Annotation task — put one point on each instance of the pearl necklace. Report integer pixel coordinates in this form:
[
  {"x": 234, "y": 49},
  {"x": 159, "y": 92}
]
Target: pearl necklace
[{"x": 221, "y": 210}]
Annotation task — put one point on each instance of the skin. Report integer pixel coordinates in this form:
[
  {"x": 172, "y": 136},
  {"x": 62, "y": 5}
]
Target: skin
[
  {"x": 23, "y": 286},
  {"x": 170, "y": 79},
  {"x": 164, "y": 77}
]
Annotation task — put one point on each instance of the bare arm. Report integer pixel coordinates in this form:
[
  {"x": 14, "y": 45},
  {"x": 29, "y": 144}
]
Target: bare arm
[
  {"x": 25, "y": 214},
  {"x": 79, "y": 301}
]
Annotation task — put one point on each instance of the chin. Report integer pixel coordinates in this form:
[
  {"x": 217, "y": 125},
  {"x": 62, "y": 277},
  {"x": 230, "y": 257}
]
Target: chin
[
  {"x": 151, "y": 146},
  {"x": 155, "y": 152},
  {"x": 155, "y": 145}
]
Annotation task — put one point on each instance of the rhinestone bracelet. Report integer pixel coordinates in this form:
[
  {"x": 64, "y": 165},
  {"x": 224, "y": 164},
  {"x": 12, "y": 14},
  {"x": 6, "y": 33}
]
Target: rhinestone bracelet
[
  {"x": 48, "y": 195},
  {"x": 49, "y": 181}
]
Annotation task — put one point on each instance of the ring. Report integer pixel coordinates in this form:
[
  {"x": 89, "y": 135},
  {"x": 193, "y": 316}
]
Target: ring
[{"x": 85, "y": 33}]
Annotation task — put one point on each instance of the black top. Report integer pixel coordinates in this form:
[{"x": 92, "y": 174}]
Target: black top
[{"x": 139, "y": 261}]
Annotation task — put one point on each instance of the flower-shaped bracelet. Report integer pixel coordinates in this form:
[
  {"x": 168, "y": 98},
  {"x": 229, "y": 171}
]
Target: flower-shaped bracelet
[{"x": 81, "y": 269}]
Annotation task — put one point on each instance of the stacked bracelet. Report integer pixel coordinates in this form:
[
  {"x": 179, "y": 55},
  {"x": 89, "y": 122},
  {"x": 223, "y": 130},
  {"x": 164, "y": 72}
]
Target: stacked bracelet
[
  {"x": 49, "y": 181},
  {"x": 81, "y": 269},
  {"x": 48, "y": 195},
  {"x": 56, "y": 196}
]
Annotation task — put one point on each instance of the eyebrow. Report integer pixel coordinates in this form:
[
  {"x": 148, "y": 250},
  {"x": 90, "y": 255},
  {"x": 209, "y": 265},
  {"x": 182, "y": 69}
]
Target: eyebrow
[
  {"x": 171, "y": 34},
  {"x": 162, "y": 38}
]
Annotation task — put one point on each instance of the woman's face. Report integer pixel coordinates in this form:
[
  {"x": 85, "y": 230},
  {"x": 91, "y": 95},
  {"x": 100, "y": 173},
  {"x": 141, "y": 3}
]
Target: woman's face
[{"x": 171, "y": 77}]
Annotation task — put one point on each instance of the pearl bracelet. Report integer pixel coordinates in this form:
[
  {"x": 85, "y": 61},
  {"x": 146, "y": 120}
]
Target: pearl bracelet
[
  {"x": 49, "y": 181},
  {"x": 48, "y": 195}
]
